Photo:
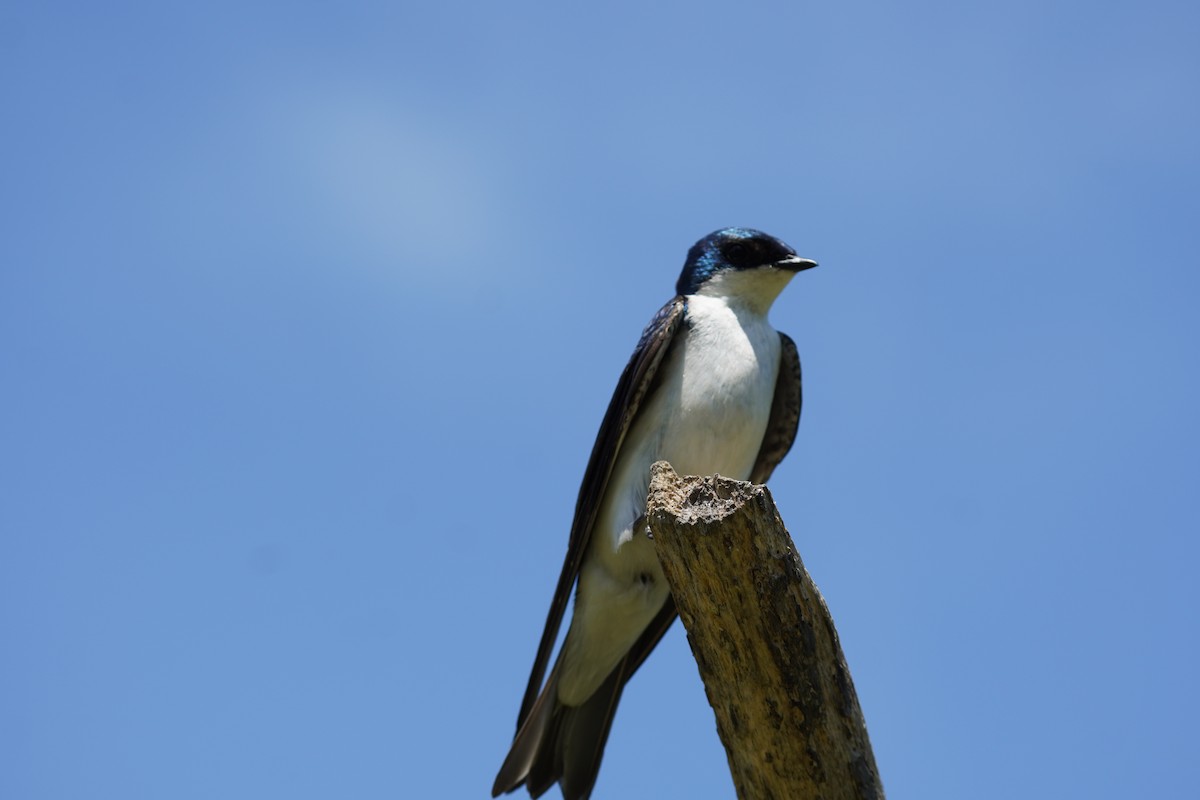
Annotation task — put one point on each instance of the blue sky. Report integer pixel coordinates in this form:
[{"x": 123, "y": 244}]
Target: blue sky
[{"x": 309, "y": 314}]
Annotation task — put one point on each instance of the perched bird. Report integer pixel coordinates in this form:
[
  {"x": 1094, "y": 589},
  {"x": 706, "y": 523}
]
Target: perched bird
[{"x": 713, "y": 389}]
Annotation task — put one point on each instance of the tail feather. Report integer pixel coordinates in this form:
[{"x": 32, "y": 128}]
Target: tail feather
[
  {"x": 565, "y": 744},
  {"x": 562, "y": 744},
  {"x": 583, "y": 734},
  {"x": 531, "y": 738}
]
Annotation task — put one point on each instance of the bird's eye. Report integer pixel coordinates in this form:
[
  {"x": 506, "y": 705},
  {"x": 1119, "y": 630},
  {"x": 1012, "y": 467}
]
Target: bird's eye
[{"x": 737, "y": 252}]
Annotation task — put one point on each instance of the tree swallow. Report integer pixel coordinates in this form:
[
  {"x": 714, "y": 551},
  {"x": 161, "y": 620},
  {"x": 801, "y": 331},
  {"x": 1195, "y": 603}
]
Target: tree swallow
[{"x": 711, "y": 388}]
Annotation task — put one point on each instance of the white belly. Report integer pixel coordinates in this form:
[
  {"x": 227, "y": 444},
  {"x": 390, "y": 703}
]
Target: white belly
[{"x": 707, "y": 417}]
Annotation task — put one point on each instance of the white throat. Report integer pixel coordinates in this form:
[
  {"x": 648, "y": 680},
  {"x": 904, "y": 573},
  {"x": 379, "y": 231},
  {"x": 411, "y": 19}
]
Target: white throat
[{"x": 755, "y": 289}]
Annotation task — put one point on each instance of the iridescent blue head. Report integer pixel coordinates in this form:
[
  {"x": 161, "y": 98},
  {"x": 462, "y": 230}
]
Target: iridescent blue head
[{"x": 736, "y": 249}]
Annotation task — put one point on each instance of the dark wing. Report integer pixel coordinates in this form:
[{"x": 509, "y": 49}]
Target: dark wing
[
  {"x": 636, "y": 382},
  {"x": 785, "y": 413}
]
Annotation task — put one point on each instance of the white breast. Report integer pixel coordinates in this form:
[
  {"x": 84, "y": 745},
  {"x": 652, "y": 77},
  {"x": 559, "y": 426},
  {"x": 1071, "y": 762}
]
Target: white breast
[
  {"x": 708, "y": 416},
  {"x": 709, "y": 413},
  {"x": 720, "y": 399}
]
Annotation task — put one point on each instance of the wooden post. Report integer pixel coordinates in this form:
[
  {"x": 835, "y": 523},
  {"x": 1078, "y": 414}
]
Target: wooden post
[{"x": 763, "y": 639}]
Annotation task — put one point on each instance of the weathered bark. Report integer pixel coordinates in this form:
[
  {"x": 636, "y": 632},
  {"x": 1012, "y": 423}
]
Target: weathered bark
[{"x": 764, "y": 642}]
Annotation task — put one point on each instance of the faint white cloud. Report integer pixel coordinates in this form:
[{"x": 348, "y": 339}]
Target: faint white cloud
[{"x": 396, "y": 186}]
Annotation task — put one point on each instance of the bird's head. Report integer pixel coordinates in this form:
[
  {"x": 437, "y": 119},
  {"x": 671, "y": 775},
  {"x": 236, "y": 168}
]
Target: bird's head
[{"x": 740, "y": 263}]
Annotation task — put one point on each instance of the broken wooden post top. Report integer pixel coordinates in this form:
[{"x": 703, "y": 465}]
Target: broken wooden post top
[
  {"x": 763, "y": 639},
  {"x": 696, "y": 498}
]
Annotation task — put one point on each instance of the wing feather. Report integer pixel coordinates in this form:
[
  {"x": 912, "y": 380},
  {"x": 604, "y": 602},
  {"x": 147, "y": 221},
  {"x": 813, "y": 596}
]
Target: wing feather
[
  {"x": 636, "y": 382},
  {"x": 785, "y": 413}
]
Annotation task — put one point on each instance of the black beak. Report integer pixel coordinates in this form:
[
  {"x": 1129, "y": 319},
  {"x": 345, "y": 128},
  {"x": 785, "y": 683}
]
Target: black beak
[{"x": 796, "y": 263}]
